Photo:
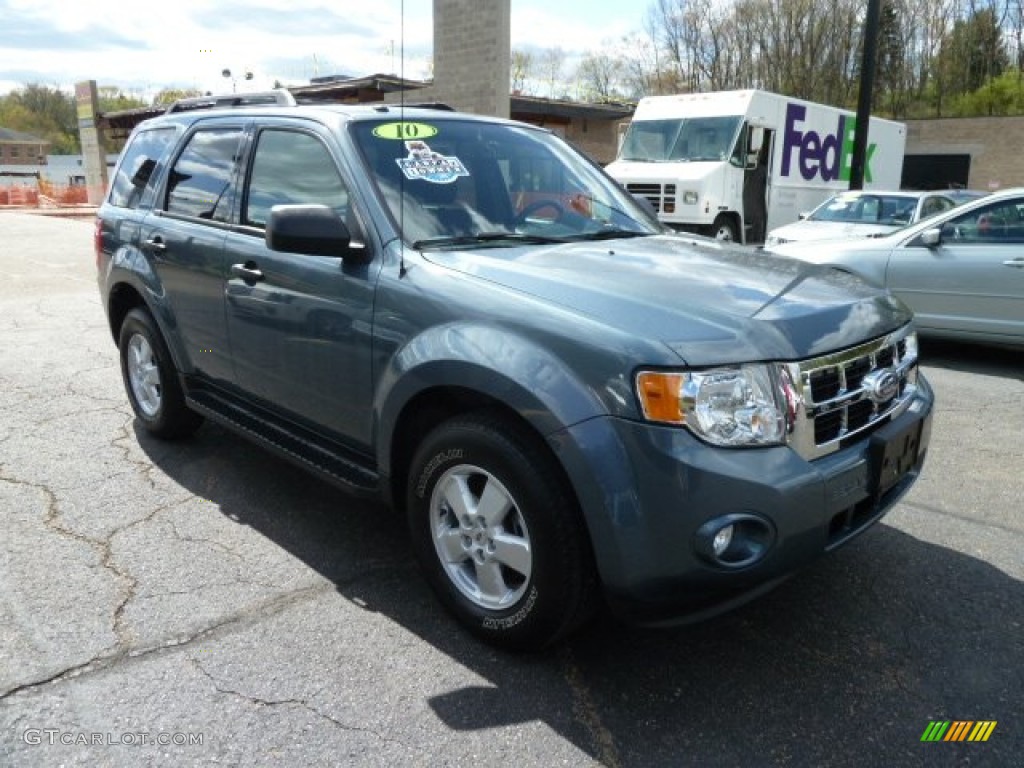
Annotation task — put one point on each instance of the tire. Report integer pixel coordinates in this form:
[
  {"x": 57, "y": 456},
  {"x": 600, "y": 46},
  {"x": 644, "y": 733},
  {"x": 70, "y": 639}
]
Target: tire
[
  {"x": 724, "y": 229},
  {"x": 498, "y": 534},
  {"x": 150, "y": 379}
]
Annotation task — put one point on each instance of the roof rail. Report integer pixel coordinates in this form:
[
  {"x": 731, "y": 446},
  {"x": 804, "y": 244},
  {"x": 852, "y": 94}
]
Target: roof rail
[
  {"x": 388, "y": 106},
  {"x": 278, "y": 96}
]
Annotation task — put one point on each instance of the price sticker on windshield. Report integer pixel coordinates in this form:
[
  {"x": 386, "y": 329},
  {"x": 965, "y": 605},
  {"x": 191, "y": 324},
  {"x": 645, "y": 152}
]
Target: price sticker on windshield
[{"x": 404, "y": 131}]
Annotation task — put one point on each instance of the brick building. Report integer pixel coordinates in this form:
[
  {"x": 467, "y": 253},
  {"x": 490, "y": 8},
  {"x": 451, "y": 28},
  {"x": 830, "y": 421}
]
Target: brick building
[
  {"x": 18, "y": 149},
  {"x": 974, "y": 152}
]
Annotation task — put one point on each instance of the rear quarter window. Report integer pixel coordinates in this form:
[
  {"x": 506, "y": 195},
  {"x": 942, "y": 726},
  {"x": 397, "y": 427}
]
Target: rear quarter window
[{"x": 139, "y": 166}]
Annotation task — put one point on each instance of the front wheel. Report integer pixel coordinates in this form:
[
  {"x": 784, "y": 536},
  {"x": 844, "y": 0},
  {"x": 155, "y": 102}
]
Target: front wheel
[
  {"x": 724, "y": 229},
  {"x": 151, "y": 380},
  {"x": 498, "y": 534}
]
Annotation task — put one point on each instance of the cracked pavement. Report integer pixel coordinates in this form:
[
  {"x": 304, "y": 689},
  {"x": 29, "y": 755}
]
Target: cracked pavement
[{"x": 206, "y": 589}]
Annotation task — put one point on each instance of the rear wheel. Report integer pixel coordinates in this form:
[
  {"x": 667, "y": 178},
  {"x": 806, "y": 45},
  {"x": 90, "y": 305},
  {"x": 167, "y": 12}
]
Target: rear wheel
[
  {"x": 498, "y": 534},
  {"x": 151, "y": 380}
]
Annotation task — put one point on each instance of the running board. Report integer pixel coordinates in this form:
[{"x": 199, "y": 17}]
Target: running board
[{"x": 325, "y": 458}]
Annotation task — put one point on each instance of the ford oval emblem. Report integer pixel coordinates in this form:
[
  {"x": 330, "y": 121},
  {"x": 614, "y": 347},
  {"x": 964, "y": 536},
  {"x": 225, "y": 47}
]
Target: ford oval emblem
[{"x": 881, "y": 385}]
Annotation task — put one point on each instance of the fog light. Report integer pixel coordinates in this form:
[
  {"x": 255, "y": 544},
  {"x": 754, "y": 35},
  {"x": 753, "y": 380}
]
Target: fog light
[
  {"x": 736, "y": 540},
  {"x": 722, "y": 541}
]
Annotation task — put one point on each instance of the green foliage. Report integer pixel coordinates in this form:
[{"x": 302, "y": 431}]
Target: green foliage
[
  {"x": 1002, "y": 95},
  {"x": 171, "y": 95},
  {"x": 113, "y": 99},
  {"x": 42, "y": 111}
]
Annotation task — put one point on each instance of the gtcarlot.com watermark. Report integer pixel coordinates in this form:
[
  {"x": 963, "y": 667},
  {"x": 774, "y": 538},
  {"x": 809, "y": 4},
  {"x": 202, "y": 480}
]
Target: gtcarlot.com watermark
[{"x": 55, "y": 736}]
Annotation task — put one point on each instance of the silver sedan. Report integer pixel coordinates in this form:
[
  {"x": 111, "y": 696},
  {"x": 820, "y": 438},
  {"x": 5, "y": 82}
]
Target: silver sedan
[{"x": 961, "y": 272}]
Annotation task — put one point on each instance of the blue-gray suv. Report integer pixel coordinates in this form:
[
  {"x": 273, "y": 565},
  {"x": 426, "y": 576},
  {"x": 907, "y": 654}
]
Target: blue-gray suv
[{"x": 468, "y": 319}]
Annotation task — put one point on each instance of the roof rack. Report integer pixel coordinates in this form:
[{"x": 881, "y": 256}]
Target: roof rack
[
  {"x": 278, "y": 96},
  {"x": 390, "y": 105}
]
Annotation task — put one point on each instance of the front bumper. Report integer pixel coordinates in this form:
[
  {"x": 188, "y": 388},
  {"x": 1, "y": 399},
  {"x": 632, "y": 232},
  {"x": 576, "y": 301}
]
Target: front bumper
[{"x": 646, "y": 491}]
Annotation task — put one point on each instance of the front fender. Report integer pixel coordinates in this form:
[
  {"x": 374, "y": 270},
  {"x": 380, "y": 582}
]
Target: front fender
[{"x": 487, "y": 360}]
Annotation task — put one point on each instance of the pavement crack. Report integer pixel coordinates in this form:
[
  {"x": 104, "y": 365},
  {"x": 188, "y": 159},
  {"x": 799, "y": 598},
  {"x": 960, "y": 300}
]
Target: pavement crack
[
  {"x": 121, "y": 655},
  {"x": 587, "y": 712},
  {"x": 56, "y": 677},
  {"x": 302, "y": 703}
]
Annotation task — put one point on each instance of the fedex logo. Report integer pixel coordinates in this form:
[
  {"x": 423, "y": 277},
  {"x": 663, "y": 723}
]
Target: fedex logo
[{"x": 829, "y": 156}]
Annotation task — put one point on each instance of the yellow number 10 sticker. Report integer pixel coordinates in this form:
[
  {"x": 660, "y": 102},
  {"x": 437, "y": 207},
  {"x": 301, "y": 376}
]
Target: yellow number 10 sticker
[{"x": 404, "y": 131}]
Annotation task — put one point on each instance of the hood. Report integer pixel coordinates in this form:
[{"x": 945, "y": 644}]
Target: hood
[
  {"x": 710, "y": 303},
  {"x": 802, "y": 231},
  {"x": 630, "y": 171}
]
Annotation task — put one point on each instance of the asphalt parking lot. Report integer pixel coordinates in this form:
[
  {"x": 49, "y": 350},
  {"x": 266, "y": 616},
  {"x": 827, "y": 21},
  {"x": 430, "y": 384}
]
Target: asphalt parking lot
[{"x": 202, "y": 602}]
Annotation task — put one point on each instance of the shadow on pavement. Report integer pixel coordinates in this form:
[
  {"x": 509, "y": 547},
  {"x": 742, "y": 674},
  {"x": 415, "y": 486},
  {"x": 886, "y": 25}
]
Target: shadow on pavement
[
  {"x": 986, "y": 359},
  {"x": 844, "y": 665}
]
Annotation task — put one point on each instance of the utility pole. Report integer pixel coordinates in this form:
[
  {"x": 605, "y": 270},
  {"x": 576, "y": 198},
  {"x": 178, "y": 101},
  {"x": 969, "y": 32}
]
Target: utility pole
[{"x": 867, "y": 82}]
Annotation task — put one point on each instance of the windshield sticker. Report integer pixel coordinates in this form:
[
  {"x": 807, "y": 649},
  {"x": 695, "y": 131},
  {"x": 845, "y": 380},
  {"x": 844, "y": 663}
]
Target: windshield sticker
[
  {"x": 425, "y": 164},
  {"x": 404, "y": 131}
]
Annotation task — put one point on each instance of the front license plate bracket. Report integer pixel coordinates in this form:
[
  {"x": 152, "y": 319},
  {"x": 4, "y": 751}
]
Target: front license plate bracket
[{"x": 894, "y": 452}]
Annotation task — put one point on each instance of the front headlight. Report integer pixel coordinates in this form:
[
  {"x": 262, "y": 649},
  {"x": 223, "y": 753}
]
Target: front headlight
[
  {"x": 772, "y": 240},
  {"x": 690, "y": 197},
  {"x": 744, "y": 406}
]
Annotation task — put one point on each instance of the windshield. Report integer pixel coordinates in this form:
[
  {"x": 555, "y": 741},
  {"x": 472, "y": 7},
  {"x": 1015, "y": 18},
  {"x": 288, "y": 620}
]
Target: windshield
[
  {"x": 691, "y": 139},
  {"x": 453, "y": 183},
  {"x": 860, "y": 208}
]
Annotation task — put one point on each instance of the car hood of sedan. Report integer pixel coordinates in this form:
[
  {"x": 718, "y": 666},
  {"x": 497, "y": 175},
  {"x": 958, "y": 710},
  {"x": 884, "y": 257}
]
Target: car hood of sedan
[
  {"x": 711, "y": 303},
  {"x": 829, "y": 230}
]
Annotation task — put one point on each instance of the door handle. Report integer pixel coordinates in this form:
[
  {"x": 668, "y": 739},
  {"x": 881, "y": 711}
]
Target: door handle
[
  {"x": 248, "y": 272},
  {"x": 155, "y": 243},
  {"x": 1018, "y": 262}
]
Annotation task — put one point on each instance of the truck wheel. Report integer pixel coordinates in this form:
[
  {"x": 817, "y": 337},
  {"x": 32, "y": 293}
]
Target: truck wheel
[
  {"x": 724, "y": 229},
  {"x": 151, "y": 380},
  {"x": 498, "y": 534}
]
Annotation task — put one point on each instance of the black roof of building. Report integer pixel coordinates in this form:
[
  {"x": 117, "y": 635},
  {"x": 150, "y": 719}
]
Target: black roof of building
[
  {"x": 371, "y": 89},
  {"x": 8, "y": 135}
]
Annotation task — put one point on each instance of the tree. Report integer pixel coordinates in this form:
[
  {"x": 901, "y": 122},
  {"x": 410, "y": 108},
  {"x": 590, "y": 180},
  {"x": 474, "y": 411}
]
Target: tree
[
  {"x": 551, "y": 64},
  {"x": 113, "y": 99},
  {"x": 43, "y": 111},
  {"x": 171, "y": 95},
  {"x": 598, "y": 78},
  {"x": 522, "y": 70}
]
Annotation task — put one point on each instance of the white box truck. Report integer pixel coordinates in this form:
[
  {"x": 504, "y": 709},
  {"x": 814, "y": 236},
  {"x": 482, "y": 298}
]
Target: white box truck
[{"x": 735, "y": 164}]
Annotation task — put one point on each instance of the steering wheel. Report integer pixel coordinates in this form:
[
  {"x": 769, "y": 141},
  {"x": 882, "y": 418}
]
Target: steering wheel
[{"x": 539, "y": 205}]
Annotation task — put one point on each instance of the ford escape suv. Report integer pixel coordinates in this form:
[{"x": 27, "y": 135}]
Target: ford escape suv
[{"x": 467, "y": 319}]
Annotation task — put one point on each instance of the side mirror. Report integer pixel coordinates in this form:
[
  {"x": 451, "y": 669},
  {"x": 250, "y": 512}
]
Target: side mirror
[
  {"x": 311, "y": 229},
  {"x": 931, "y": 238},
  {"x": 802, "y": 215}
]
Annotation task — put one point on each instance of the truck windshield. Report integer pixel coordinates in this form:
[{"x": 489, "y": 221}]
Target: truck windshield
[
  {"x": 690, "y": 139},
  {"x": 455, "y": 183}
]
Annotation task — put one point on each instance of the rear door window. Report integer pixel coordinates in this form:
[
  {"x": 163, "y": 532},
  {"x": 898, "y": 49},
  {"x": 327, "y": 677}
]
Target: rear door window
[{"x": 199, "y": 184}]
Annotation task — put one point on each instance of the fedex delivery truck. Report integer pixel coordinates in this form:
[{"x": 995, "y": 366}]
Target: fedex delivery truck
[{"x": 736, "y": 164}]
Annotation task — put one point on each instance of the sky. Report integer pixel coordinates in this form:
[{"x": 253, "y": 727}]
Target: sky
[{"x": 144, "y": 46}]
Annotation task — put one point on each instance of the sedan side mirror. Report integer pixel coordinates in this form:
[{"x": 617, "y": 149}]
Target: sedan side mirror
[{"x": 931, "y": 238}]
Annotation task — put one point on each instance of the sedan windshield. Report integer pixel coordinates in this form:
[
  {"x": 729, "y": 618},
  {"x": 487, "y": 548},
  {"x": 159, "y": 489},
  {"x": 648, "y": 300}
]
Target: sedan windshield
[
  {"x": 456, "y": 183},
  {"x": 862, "y": 208}
]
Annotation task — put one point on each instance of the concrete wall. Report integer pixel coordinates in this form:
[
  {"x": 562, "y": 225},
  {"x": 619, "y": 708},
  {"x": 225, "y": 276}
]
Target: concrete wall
[
  {"x": 472, "y": 57},
  {"x": 995, "y": 145}
]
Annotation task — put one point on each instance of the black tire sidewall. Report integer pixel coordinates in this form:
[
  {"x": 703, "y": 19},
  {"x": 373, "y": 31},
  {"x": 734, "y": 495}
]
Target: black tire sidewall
[
  {"x": 173, "y": 418},
  {"x": 541, "y": 615}
]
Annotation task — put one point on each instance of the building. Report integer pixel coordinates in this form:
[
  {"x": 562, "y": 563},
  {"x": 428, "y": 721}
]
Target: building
[{"x": 17, "y": 149}]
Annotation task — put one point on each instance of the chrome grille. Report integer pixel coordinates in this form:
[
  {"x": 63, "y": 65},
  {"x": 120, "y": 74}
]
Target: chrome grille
[
  {"x": 851, "y": 392},
  {"x": 661, "y": 196}
]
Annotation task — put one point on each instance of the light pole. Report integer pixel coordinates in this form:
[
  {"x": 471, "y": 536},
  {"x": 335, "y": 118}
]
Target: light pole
[{"x": 234, "y": 82}]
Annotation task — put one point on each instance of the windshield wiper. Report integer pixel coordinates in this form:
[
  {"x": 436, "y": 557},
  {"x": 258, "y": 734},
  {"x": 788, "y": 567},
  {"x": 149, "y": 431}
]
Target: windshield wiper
[
  {"x": 610, "y": 233},
  {"x": 514, "y": 238}
]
